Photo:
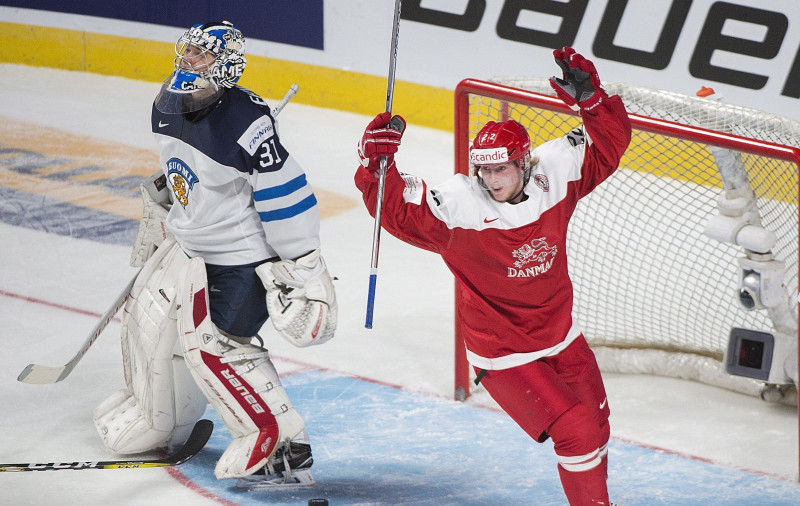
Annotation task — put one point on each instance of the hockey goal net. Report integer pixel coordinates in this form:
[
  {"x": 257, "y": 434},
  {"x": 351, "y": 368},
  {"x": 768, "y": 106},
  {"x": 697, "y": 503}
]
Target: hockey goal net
[{"x": 654, "y": 294}]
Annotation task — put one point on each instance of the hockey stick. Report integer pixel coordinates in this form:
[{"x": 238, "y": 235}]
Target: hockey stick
[
  {"x": 197, "y": 440},
  {"x": 44, "y": 375},
  {"x": 285, "y": 100},
  {"x": 376, "y": 232}
]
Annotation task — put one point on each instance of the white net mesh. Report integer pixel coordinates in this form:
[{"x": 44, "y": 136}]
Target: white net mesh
[
  {"x": 687, "y": 110},
  {"x": 653, "y": 293}
]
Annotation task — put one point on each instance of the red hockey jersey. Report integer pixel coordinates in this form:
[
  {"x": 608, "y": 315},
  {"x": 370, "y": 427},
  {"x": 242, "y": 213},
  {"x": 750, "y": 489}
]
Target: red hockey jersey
[{"x": 509, "y": 260}]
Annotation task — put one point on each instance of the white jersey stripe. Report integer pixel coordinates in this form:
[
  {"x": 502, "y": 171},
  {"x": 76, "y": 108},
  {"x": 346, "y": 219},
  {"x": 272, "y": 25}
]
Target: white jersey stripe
[{"x": 516, "y": 359}]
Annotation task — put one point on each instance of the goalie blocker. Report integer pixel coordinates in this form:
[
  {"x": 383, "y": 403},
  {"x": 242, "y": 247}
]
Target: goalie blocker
[{"x": 152, "y": 228}]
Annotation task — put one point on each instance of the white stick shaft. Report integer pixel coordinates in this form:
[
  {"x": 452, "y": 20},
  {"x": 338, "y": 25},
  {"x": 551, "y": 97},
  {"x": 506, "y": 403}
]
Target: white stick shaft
[
  {"x": 43, "y": 375},
  {"x": 393, "y": 56},
  {"x": 285, "y": 100}
]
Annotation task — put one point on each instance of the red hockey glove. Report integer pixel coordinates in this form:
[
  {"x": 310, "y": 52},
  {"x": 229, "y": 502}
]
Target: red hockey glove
[
  {"x": 381, "y": 138},
  {"x": 579, "y": 87}
]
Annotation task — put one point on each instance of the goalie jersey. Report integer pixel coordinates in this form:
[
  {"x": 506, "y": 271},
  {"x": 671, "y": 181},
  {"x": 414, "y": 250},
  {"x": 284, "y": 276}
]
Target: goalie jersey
[
  {"x": 238, "y": 196},
  {"x": 509, "y": 260}
]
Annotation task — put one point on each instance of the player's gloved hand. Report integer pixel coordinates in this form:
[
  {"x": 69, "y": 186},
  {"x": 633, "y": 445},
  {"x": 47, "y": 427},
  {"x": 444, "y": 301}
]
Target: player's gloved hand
[
  {"x": 381, "y": 138},
  {"x": 579, "y": 87}
]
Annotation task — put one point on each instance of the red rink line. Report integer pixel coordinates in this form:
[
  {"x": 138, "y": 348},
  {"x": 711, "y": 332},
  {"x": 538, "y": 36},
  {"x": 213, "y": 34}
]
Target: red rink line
[
  {"x": 181, "y": 478},
  {"x": 304, "y": 366},
  {"x": 53, "y": 304}
]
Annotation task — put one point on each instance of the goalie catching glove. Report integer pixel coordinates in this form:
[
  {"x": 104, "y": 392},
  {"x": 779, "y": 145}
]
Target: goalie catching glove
[
  {"x": 579, "y": 87},
  {"x": 300, "y": 298}
]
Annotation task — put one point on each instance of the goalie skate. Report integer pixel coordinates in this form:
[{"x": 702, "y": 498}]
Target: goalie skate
[{"x": 285, "y": 470}]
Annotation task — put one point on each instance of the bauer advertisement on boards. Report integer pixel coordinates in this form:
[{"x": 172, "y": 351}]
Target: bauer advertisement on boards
[{"x": 745, "y": 49}]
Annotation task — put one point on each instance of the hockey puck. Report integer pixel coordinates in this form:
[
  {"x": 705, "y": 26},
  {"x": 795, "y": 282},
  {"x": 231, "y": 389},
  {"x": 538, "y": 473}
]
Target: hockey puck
[{"x": 317, "y": 502}]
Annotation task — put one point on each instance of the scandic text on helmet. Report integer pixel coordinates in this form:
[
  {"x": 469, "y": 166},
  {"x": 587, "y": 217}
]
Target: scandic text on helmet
[{"x": 490, "y": 155}]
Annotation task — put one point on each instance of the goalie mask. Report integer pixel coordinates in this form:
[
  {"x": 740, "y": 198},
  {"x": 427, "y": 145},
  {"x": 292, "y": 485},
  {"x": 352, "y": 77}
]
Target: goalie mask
[
  {"x": 209, "y": 58},
  {"x": 500, "y": 143}
]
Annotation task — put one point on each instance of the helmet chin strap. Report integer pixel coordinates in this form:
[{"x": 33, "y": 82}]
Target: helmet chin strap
[{"x": 511, "y": 200}]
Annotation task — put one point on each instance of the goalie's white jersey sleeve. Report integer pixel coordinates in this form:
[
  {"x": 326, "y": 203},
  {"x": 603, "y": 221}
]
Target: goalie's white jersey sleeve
[{"x": 238, "y": 196}]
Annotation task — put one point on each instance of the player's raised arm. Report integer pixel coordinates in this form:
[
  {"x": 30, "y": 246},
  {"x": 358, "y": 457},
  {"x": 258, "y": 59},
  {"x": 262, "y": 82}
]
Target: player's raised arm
[{"x": 605, "y": 118}]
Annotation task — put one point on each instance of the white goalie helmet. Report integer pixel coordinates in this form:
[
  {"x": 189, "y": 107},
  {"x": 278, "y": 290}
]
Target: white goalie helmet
[{"x": 209, "y": 58}]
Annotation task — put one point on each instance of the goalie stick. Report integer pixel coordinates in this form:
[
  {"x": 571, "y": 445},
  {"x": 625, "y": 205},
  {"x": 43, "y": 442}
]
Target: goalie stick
[
  {"x": 45, "y": 375},
  {"x": 293, "y": 89},
  {"x": 197, "y": 440}
]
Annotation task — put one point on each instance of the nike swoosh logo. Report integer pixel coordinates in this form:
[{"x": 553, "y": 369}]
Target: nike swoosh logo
[
  {"x": 603, "y": 404},
  {"x": 162, "y": 124},
  {"x": 487, "y": 220}
]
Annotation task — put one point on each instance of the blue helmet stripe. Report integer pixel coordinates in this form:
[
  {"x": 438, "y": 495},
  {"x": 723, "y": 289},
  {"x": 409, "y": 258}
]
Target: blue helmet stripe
[
  {"x": 289, "y": 212},
  {"x": 282, "y": 190}
]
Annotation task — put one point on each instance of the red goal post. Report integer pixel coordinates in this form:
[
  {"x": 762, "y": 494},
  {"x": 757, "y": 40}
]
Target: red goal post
[{"x": 654, "y": 294}]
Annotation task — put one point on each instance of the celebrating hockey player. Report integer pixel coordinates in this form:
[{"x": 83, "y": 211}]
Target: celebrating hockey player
[
  {"x": 229, "y": 237},
  {"x": 520, "y": 333}
]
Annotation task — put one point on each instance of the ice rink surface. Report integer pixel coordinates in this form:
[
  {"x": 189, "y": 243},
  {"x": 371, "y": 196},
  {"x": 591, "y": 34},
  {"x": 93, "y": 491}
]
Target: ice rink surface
[{"x": 376, "y": 402}]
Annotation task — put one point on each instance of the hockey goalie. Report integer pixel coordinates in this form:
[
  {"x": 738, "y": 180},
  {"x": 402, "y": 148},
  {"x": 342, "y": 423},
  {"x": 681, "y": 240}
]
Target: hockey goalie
[{"x": 229, "y": 238}]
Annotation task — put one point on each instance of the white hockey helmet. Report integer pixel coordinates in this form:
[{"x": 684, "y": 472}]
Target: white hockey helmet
[{"x": 209, "y": 57}]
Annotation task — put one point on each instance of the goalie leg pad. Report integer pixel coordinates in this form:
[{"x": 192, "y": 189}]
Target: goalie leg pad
[
  {"x": 239, "y": 380},
  {"x": 161, "y": 402}
]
